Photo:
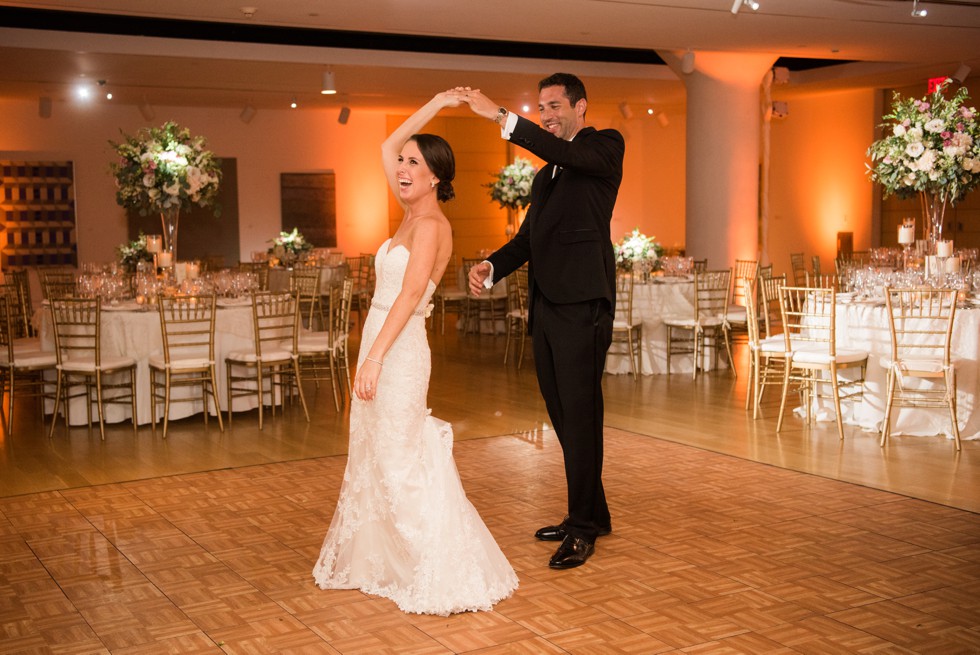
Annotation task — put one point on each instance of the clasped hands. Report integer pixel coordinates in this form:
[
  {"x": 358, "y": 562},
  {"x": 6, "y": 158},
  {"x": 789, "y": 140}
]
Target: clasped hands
[{"x": 480, "y": 104}]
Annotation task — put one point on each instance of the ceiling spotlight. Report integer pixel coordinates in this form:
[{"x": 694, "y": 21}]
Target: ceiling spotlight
[
  {"x": 293, "y": 104},
  {"x": 687, "y": 63},
  {"x": 738, "y": 4},
  {"x": 83, "y": 92},
  {"x": 916, "y": 12},
  {"x": 329, "y": 87}
]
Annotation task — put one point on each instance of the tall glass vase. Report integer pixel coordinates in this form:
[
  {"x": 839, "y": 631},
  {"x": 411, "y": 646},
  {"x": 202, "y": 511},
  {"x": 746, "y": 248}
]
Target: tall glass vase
[
  {"x": 170, "y": 218},
  {"x": 933, "y": 213}
]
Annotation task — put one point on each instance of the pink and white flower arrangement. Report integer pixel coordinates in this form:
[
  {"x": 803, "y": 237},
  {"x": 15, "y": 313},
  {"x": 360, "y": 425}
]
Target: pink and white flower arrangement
[{"x": 165, "y": 168}]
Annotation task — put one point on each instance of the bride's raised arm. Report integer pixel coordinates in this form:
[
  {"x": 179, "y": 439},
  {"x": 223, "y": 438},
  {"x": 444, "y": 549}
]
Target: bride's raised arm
[{"x": 392, "y": 146}]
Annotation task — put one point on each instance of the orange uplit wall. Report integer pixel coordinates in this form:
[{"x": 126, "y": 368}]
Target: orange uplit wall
[{"x": 818, "y": 185}]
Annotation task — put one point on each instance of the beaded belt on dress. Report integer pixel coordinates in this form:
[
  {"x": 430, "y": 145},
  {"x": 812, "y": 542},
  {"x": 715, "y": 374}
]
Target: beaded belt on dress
[{"x": 386, "y": 308}]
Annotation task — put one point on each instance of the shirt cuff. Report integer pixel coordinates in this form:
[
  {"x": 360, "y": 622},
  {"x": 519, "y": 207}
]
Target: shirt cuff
[
  {"x": 488, "y": 282},
  {"x": 507, "y": 128}
]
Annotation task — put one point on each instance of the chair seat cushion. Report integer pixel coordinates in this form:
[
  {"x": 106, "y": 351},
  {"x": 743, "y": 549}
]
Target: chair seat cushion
[
  {"x": 772, "y": 345},
  {"x": 814, "y": 355},
  {"x": 925, "y": 367},
  {"x": 176, "y": 364},
  {"x": 28, "y": 344},
  {"x": 270, "y": 356},
  {"x": 31, "y": 359},
  {"x": 736, "y": 314},
  {"x": 87, "y": 364}
]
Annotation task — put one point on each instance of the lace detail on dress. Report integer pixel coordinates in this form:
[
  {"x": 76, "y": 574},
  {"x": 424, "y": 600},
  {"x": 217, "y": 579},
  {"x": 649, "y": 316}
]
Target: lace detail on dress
[{"x": 403, "y": 527}]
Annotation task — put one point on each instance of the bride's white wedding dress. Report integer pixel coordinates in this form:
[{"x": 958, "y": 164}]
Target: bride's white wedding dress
[{"x": 403, "y": 528}]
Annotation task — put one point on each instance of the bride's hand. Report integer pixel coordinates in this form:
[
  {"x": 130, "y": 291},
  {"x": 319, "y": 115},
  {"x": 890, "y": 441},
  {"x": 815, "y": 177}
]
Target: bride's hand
[{"x": 366, "y": 382}]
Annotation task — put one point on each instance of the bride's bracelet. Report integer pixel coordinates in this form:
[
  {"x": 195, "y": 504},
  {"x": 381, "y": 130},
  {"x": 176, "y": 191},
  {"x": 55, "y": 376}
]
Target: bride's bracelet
[{"x": 371, "y": 359}]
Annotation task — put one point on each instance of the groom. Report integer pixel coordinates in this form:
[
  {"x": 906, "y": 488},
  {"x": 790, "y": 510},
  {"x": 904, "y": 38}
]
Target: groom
[{"x": 572, "y": 287}]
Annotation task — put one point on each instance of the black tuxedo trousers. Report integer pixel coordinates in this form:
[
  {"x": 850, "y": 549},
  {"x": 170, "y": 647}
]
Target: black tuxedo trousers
[{"x": 570, "y": 341}]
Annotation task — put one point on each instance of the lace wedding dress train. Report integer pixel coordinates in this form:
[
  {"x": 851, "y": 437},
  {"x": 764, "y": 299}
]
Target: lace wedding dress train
[{"x": 403, "y": 527}]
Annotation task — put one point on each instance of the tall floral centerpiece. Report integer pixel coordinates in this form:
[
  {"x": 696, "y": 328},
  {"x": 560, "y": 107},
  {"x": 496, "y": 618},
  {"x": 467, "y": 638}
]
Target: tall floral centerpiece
[
  {"x": 163, "y": 170},
  {"x": 511, "y": 188},
  {"x": 931, "y": 148},
  {"x": 637, "y": 252},
  {"x": 288, "y": 248}
]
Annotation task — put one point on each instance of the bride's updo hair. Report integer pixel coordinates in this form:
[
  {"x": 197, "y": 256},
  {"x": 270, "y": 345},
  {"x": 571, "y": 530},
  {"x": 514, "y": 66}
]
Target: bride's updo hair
[{"x": 439, "y": 157}]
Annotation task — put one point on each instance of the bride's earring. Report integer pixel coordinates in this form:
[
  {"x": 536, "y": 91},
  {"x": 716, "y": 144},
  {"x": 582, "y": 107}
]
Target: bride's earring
[{"x": 433, "y": 184}]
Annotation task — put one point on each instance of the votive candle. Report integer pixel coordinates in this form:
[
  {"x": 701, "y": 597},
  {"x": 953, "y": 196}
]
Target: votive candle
[
  {"x": 906, "y": 234},
  {"x": 953, "y": 265},
  {"x": 944, "y": 248},
  {"x": 165, "y": 259},
  {"x": 154, "y": 243}
]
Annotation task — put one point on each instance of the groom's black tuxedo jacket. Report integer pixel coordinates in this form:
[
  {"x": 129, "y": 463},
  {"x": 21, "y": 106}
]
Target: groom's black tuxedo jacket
[{"x": 565, "y": 235}]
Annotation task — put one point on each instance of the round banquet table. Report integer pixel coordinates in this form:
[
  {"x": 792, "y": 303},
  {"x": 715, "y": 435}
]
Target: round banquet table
[
  {"x": 653, "y": 303},
  {"x": 129, "y": 331}
]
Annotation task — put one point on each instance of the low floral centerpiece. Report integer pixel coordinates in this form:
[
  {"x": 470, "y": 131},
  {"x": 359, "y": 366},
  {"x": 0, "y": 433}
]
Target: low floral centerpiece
[
  {"x": 134, "y": 252},
  {"x": 638, "y": 251},
  {"x": 931, "y": 148},
  {"x": 288, "y": 248},
  {"x": 163, "y": 170}
]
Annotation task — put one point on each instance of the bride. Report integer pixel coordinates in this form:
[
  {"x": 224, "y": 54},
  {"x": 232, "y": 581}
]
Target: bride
[{"x": 403, "y": 528}]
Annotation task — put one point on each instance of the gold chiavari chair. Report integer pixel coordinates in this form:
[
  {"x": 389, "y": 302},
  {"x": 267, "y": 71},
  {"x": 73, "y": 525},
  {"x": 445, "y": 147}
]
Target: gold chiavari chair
[
  {"x": 187, "y": 360},
  {"x": 22, "y": 279},
  {"x": 77, "y": 335},
  {"x": 815, "y": 264},
  {"x": 810, "y": 332},
  {"x": 323, "y": 354},
  {"x": 920, "y": 323},
  {"x": 628, "y": 329},
  {"x": 745, "y": 269},
  {"x": 449, "y": 296},
  {"x": 271, "y": 366},
  {"x": 304, "y": 281},
  {"x": 489, "y": 306},
  {"x": 826, "y": 281},
  {"x": 706, "y": 327},
  {"x": 361, "y": 270},
  {"x": 699, "y": 265},
  {"x": 798, "y": 267},
  {"x": 261, "y": 271},
  {"x": 767, "y": 353},
  {"x": 57, "y": 283},
  {"x": 516, "y": 317},
  {"x": 21, "y": 370}
]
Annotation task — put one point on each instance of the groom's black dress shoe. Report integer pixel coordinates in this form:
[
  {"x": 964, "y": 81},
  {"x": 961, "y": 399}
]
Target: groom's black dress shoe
[
  {"x": 558, "y": 533},
  {"x": 572, "y": 552}
]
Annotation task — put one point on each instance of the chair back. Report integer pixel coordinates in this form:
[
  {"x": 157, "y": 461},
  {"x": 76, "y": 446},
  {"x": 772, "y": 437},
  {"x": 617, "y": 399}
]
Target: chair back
[
  {"x": 624, "y": 299},
  {"x": 275, "y": 319},
  {"x": 187, "y": 327},
  {"x": 815, "y": 264},
  {"x": 745, "y": 269},
  {"x": 826, "y": 281},
  {"x": 920, "y": 322},
  {"x": 711, "y": 292},
  {"x": 20, "y": 320},
  {"x": 6, "y": 331},
  {"x": 77, "y": 330},
  {"x": 751, "y": 315},
  {"x": 700, "y": 264},
  {"x": 809, "y": 315},
  {"x": 57, "y": 283},
  {"x": 798, "y": 267},
  {"x": 765, "y": 271},
  {"x": 517, "y": 292},
  {"x": 304, "y": 281},
  {"x": 340, "y": 305},
  {"x": 260, "y": 270},
  {"x": 769, "y": 304}
]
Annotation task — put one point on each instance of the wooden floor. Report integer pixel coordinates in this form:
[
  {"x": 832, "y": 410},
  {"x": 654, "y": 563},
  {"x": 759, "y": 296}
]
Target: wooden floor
[{"x": 722, "y": 542}]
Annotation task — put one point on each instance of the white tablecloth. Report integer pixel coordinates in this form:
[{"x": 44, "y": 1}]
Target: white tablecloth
[
  {"x": 137, "y": 334},
  {"x": 865, "y": 327},
  {"x": 653, "y": 302}
]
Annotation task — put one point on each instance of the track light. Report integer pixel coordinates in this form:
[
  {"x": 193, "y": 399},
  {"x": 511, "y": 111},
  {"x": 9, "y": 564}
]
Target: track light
[
  {"x": 916, "y": 12},
  {"x": 292, "y": 104},
  {"x": 687, "y": 63},
  {"x": 147, "y": 111},
  {"x": 962, "y": 73},
  {"x": 248, "y": 113},
  {"x": 751, "y": 4},
  {"x": 625, "y": 110},
  {"x": 329, "y": 84},
  {"x": 344, "y": 115}
]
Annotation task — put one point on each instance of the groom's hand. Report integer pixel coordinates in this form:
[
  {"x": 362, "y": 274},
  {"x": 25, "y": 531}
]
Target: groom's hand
[{"x": 478, "y": 275}]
